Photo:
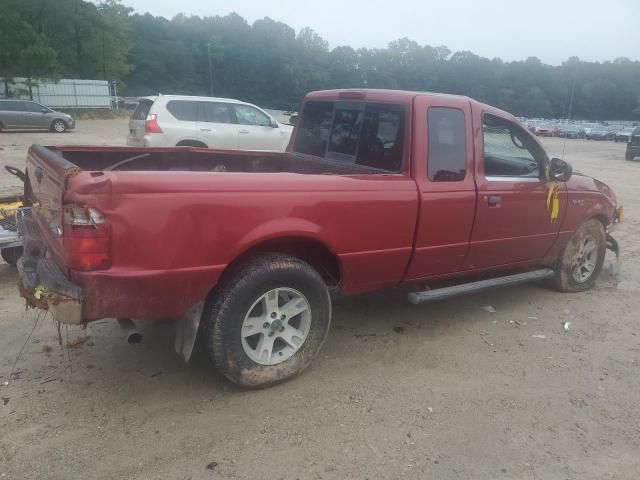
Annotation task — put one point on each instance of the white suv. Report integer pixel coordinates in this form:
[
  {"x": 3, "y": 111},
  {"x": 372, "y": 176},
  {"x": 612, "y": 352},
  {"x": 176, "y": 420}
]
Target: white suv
[{"x": 220, "y": 123}]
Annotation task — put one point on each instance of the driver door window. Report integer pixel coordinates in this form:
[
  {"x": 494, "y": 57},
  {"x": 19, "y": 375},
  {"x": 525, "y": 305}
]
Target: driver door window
[{"x": 508, "y": 150}]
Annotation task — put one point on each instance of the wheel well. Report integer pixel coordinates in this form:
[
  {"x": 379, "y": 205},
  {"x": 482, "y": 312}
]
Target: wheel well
[
  {"x": 313, "y": 252},
  {"x": 602, "y": 219},
  {"x": 190, "y": 143},
  {"x": 57, "y": 119}
]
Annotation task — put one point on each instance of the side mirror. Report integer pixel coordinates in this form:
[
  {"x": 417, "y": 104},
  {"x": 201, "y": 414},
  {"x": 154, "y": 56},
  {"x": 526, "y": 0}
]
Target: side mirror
[
  {"x": 560, "y": 170},
  {"x": 293, "y": 120},
  {"x": 274, "y": 123},
  {"x": 45, "y": 110}
]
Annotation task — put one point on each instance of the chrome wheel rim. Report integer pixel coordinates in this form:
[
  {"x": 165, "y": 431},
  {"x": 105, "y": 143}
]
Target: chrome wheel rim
[
  {"x": 276, "y": 326},
  {"x": 58, "y": 127},
  {"x": 585, "y": 260}
]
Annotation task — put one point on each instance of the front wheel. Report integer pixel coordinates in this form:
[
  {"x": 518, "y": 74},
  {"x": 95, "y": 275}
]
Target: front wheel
[
  {"x": 628, "y": 156},
  {"x": 59, "y": 126},
  {"x": 581, "y": 260},
  {"x": 267, "y": 320}
]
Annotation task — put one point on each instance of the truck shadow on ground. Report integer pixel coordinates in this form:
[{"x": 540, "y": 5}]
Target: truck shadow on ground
[{"x": 101, "y": 357}]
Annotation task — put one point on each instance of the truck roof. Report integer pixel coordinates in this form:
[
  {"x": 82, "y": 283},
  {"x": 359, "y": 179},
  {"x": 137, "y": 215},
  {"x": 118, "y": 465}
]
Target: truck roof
[{"x": 400, "y": 96}]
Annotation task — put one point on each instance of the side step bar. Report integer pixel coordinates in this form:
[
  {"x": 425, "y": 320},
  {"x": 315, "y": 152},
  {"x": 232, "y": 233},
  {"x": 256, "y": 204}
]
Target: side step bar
[{"x": 463, "y": 289}]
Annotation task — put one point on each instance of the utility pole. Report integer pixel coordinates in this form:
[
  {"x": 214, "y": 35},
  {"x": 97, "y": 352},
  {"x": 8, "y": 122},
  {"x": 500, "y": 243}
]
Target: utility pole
[{"x": 210, "y": 68}]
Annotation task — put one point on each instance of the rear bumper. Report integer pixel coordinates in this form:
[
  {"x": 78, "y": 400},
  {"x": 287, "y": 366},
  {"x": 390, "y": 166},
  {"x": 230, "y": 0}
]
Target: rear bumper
[
  {"x": 41, "y": 282},
  {"x": 44, "y": 286}
]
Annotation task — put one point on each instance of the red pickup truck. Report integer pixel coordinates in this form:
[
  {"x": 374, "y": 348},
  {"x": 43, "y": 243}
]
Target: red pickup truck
[{"x": 377, "y": 189}]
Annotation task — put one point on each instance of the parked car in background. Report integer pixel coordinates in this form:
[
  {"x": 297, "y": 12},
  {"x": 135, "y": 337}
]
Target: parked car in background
[
  {"x": 571, "y": 131},
  {"x": 633, "y": 146},
  {"x": 547, "y": 130},
  {"x": 28, "y": 115},
  {"x": 207, "y": 122},
  {"x": 598, "y": 133},
  {"x": 623, "y": 135}
]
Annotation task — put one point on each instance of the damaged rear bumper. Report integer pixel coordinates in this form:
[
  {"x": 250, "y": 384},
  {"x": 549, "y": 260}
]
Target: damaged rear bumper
[
  {"x": 44, "y": 286},
  {"x": 41, "y": 282}
]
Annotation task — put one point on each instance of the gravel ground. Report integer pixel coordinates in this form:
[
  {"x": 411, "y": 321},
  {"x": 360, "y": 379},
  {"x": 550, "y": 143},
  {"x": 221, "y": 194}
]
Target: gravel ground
[{"x": 441, "y": 391}]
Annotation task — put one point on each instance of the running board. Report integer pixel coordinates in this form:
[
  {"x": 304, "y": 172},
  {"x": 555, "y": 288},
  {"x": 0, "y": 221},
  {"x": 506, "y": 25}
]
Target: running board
[{"x": 463, "y": 289}]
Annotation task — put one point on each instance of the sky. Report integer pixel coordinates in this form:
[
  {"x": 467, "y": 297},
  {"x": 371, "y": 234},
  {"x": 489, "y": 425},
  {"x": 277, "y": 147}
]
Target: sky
[{"x": 552, "y": 30}]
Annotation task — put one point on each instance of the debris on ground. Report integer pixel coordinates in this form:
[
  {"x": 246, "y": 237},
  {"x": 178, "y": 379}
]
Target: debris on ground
[
  {"x": 398, "y": 329},
  {"x": 539, "y": 336},
  {"x": 360, "y": 335},
  {"x": 212, "y": 465},
  {"x": 566, "y": 326},
  {"x": 489, "y": 309},
  {"x": 5, "y": 400},
  {"x": 532, "y": 318},
  {"x": 77, "y": 342},
  {"x": 46, "y": 348}
]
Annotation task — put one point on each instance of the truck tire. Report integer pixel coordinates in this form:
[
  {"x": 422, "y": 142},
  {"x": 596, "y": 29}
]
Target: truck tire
[
  {"x": 628, "y": 156},
  {"x": 11, "y": 255},
  {"x": 581, "y": 260},
  {"x": 267, "y": 320}
]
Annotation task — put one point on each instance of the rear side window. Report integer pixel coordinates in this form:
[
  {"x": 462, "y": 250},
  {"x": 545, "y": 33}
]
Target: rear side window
[
  {"x": 12, "y": 106},
  {"x": 184, "y": 110},
  {"x": 447, "y": 156},
  {"x": 214, "y": 113},
  {"x": 354, "y": 132},
  {"x": 142, "y": 110}
]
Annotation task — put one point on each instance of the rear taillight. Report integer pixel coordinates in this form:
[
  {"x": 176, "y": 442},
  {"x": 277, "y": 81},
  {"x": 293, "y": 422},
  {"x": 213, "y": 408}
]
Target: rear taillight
[
  {"x": 86, "y": 238},
  {"x": 151, "y": 124}
]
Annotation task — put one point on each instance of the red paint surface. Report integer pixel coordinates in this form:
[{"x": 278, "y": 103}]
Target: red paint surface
[{"x": 173, "y": 233}]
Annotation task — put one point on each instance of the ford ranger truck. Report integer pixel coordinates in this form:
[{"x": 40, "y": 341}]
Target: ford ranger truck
[{"x": 377, "y": 189}]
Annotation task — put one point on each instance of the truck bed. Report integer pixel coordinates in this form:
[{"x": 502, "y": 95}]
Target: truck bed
[{"x": 198, "y": 160}]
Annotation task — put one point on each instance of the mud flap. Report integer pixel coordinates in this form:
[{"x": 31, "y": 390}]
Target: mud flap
[
  {"x": 187, "y": 331},
  {"x": 612, "y": 244}
]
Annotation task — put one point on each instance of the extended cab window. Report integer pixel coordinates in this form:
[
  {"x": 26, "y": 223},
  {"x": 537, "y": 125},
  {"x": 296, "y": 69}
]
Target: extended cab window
[
  {"x": 447, "y": 156},
  {"x": 509, "y": 151},
  {"x": 368, "y": 134},
  {"x": 184, "y": 110}
]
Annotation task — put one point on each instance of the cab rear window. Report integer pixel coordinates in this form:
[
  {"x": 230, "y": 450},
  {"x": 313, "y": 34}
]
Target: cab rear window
[{"x": 362, "y": 133}]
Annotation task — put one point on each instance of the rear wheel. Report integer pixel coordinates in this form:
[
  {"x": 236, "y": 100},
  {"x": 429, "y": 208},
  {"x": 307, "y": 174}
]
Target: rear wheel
[
  {"x": 11, "y": 255},
  {"x": 267, "y": 320},
  {"x": 59, "y": 126},
  {"x": 628, "y": 156},
  {"x": 581, "y": 260},
  {"x": 191, "y": 143}
]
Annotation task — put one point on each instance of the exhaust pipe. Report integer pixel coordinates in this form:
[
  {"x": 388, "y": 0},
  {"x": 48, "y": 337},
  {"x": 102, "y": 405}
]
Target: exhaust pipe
[{"x": 133, "y": 335}]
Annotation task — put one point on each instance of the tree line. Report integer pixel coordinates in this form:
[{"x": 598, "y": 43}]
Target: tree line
[{"x": 270, "y": 64}]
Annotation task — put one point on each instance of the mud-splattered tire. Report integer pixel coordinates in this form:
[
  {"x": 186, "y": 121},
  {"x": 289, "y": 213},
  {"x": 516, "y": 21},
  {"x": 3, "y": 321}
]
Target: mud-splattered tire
[
  {"x": 244, "y": 303},
  {"x": 581, "y": 260},
  {"x": 11, "y": 255}
]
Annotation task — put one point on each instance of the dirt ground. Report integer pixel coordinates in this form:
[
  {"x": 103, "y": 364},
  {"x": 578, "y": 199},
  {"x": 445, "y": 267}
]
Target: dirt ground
[{"x": 440, "y": 391}]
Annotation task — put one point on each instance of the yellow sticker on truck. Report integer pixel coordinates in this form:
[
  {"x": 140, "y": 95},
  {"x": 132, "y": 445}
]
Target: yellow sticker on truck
[{"x": 553, "y": 200}]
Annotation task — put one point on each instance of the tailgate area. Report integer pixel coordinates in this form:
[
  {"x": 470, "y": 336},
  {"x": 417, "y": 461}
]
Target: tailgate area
[{"x": 42, "y": 283}]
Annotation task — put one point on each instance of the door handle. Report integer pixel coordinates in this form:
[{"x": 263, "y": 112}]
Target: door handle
[
  {"x": 243, "y": 131},
  {"x": 493, "y": 200}
]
